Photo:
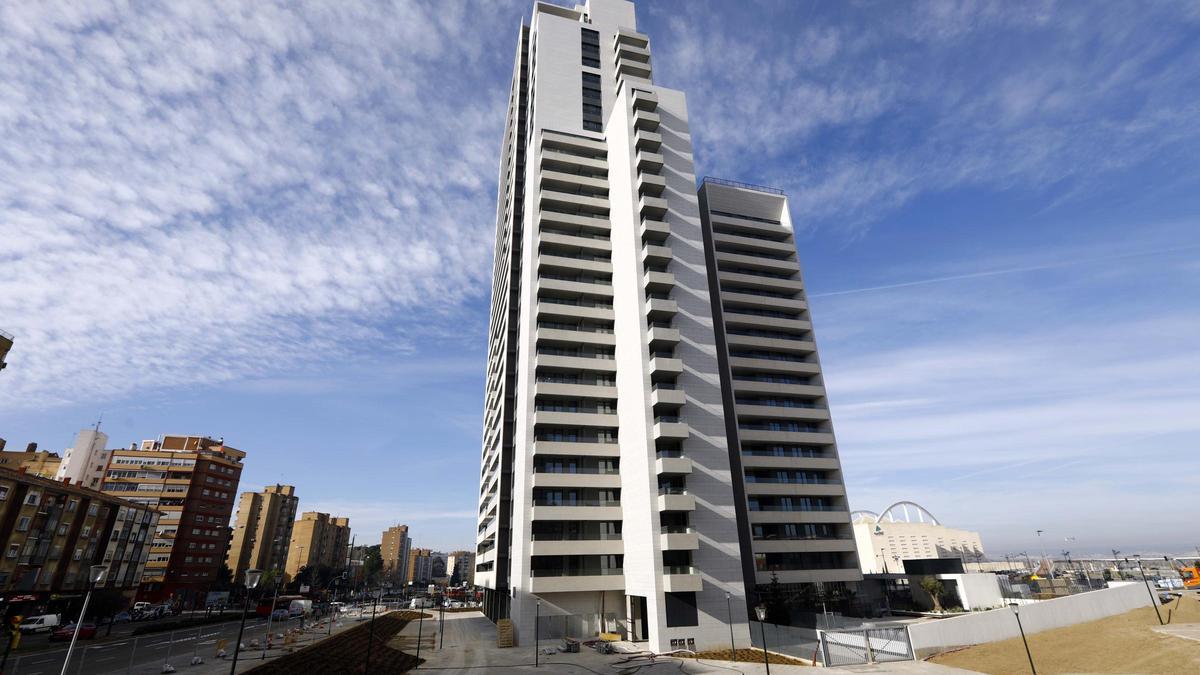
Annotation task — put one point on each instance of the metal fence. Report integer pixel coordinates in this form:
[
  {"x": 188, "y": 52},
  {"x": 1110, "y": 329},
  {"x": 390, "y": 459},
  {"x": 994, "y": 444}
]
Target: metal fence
[{"x": 867, "y": 645}]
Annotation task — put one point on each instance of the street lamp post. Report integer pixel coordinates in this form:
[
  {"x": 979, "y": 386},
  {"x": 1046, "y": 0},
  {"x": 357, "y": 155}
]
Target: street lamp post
[
  {"x": 1153, "y": 600},
  {"x": 729, "y": 614},
  {"x": 1049, "y": 563},
  {"x": 95, "y": 575},
  {"x": 371, "y": 629},
  {"x": 761, "y": 612},
  {"x": 271, "y": 617},
  {"x": 252, "y": 578},
  {"x": 537, "y": 617},
  {"x": 1017, "y": 613}
]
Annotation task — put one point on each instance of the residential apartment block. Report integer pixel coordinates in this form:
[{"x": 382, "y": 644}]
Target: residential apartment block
[
  {"x": 263, "y": 531},
  {"x": 461, "y": 565},
  {"x": 192, "y": 481},
  {"x": 318, "y": 540},
  {"x": 85, "y": 462},
  {"x": 612, "y": 482},
  {"x": 35, "y": 462},
  {"x": 54, "y": 531},
  {"x": 394, "y": 549}
]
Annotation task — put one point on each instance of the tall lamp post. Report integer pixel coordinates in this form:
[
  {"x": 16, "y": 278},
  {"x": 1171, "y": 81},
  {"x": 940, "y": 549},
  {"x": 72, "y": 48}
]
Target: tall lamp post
[
  {"x": 729, "y": 614},
  {"x": 537, "y": 619},
  {"x": 271, "y": 616},
  {"x": 761, "y": 612},
  {"x": 95, "y": 576},
  {"x": 1017, "y": 613},
  {"x": 253, "y": 576},
  {"x": 1153, "y": 600},
  {"x": 1049, "y": 563}
]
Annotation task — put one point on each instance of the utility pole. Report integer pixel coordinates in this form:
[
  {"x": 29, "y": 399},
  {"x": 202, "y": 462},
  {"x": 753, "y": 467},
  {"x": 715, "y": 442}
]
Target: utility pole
[{"x": 1153, "y": 600}]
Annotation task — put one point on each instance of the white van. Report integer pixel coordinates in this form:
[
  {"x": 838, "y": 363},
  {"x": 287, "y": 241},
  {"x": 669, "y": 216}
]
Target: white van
[
  {"x": 300, "y": 608},
  {"x": 38, "y": 624}
]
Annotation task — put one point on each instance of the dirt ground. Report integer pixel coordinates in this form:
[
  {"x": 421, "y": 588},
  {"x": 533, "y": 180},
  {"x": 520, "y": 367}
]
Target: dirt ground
[
  {"x": 746, "y": 656},
  {"x": 1125, "y": 643}
]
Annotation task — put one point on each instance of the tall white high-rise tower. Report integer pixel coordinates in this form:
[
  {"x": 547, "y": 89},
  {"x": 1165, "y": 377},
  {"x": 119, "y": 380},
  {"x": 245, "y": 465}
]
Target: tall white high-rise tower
[{"x": 610, "y": 489}]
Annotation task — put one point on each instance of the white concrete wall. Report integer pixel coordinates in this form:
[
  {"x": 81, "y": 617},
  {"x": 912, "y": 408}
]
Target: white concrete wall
[{"x": 999, "y": 624}]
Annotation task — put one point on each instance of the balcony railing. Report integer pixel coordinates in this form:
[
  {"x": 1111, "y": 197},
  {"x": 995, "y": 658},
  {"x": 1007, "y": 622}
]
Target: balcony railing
[
  {"x": 672, "y": 491},
  {"x": 679, "y": 569},
  {"x": 795, "y": 508},
  {"x": 598, "y": 572},
  {"x": 792, "y": 480},
  {"x": 745, "y": 186},
  {"x": 587, "y": 536},
  {"x": 676, "y": 529},
  {"x": 588, "y": 470},
  {"x": 577, "y": 502}
]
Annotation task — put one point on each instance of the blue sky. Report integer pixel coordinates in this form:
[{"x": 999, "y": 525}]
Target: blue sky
[{"x": 272, "y": 222}]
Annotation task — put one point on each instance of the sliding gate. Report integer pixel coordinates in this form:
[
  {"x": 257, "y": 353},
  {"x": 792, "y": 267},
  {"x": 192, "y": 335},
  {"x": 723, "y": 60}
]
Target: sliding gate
[{"x": 865, "y": 645}]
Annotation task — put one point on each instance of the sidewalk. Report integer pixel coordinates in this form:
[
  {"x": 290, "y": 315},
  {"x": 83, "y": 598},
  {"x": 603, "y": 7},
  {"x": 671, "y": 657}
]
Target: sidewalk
[{"x": 470, "y": 648}]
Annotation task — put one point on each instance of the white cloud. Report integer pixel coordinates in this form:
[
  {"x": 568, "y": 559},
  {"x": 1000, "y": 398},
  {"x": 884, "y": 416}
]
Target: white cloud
[{"x": 192, "y": 194}]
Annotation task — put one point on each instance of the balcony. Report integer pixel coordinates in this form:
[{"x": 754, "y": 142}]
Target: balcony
[
  {"x": 568, "y": 182},
  {"x": 652, "y": 208},
  {"x": 796, "y": 346},
  {"x": 678, "y": 539},
  {"x": 654, "y": 231},
  {"x": 770, "y": 229},
  {"x": 826, "y": 516},
  {"x": 630, "y": 37},
  {"x": 546, "y": 309},
  {"x": 552, "y": 158},
  {"x": 609, "y": 580},
  {"x": 631, "y": 68},
  {"x": 664, "y": 367},
  {"x": 651, "y": 184},
  {"x": 675, "y": 499},
  {"x": 624, "y": 50},
  {"x": 644, "y": 101},
  {"x": 741, "y": 260},
  {"x": 573, "y": 389},
  {"x": 575, "y": 419},
  {"x": 764, "y": 365},
  {"x": 653, "y": 254},
  {"x": 643, "y": 119},
  {"x": 664, "y": 396},
  {"x": 661, "y": 309},
  {"x": 814, "y": 545},
  {"x": 673, "y": 466},
  {"x": 800, "y": 437},
  {"x": 575, "y": 363},
  {"x": 572, "y": 264},
  {"x": 782, "y": 412},
  {"x": 555, "y": 335},
  {"x": 774, "y": 462},
  {"x": 682, "y": 579},
  {"x": 542, "y": 546},
  {"x": 734, "y": 318},
  {"x": 592, "y": 222},
  {"x": 668, "y": 427},
  {"x": 768, "y": 246},
  {"x": 649, "y": 161},
  {"x": 577, "y": 480},
  {"x": 731, "y": 298},
  {"x": 827, "y": 489},
  {"x": 659, "y": 282},
  {"x": 647, "y": 140},
  {"x": 578, "y": 449},
  {"x": 576, "y": 241},
  {"x": 592, "y": 510},
  {"x": 572, "y": 142},
  {"x": 552, "y": 199},
  {"x": 733, "y": 280},
  {"x": 567, "y": 287}
]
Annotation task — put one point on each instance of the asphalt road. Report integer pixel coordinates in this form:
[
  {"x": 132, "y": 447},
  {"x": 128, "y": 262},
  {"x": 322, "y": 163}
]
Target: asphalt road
[{"x": 146, "y": 654}]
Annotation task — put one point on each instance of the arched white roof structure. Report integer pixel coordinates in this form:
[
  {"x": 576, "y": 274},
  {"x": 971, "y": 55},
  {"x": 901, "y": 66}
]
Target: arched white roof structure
[
  {"x": 907, "y": 512},
  {"x": 864, "y": 517}
]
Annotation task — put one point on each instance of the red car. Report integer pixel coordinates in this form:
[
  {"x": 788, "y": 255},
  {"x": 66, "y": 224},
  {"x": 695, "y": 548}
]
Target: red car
[{"x": 87, "y": 631}]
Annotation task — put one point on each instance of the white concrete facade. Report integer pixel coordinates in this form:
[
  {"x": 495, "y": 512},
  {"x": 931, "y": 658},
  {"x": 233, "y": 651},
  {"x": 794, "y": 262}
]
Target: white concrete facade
[
  {"x": 608, "y": 488},
  {"x": 85, "y": 462}
]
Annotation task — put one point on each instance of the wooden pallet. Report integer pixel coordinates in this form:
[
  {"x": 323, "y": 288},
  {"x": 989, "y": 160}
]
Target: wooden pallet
[{"x": 504, "y": 633}]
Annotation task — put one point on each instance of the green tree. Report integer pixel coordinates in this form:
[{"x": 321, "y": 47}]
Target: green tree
[
  {"x": 372, "y": 564},
  {"x": 777, "y": 606},
  {"x": 934, "y": 587}
]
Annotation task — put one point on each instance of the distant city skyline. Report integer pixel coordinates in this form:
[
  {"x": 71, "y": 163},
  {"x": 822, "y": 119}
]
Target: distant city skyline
[{"x": 997, "y": 212}]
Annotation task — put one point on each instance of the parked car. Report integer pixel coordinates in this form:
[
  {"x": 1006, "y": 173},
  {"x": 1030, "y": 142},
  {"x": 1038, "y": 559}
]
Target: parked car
[
  {"x": 281, "y": 614},
  {"x": 39, "y": 624},
  {"x": 87, "y": 631},
  {"x": 140, "y": 607},
  {"x": 122, "y": 617}
]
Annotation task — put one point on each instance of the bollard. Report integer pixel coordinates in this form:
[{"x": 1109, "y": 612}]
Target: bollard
[
  {"x": 196, "y": 659},
  {"x": 132, "y": 654},
  {"x": 167, "y": 656}
]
